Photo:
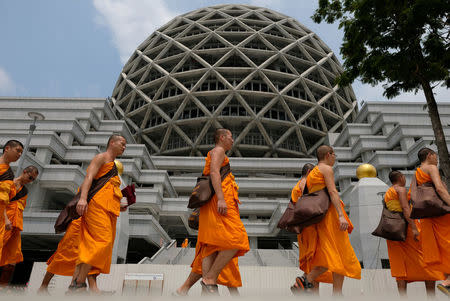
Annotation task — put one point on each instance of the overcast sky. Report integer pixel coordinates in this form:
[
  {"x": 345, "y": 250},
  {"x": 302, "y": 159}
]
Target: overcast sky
[{"x": 56, "y": 48}]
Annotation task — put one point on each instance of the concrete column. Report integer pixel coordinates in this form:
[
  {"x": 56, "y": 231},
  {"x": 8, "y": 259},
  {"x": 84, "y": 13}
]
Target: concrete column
[
  {"x": 406, "y": 143},
  {"x": 44, "y": 155},
  {"x": 253, "y": 240},
  {"x": 366, "y": 207},
  {"x": 67, "y": 138}
]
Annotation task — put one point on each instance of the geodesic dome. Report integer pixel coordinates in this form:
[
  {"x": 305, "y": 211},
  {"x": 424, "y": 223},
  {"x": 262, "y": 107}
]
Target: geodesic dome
[{"x": 261, "y": 74}]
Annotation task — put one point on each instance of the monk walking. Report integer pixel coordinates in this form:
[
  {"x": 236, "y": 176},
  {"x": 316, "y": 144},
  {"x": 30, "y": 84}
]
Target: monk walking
[
  {"x": 296, "y": 193},
  {"x": 406, "y": 257},
  {"x": 12, "y": 151},
  {"x": 98, "y": 218},
  {"x": 221, "y": 234},
  {"x": 435, "y": 230},
  {"x": 12, "y": 241},
  {"x": 326, "y": 252}
]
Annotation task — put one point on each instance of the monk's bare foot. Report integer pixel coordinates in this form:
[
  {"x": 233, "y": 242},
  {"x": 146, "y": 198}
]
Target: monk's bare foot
[{"x": 43, "y": 290}]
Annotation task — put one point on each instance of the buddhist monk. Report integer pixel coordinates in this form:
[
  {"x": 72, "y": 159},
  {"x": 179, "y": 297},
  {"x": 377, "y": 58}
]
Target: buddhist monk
[
  {"x": 406, "y": 257},
  {"x": 221, "y": 234},
  {"x": 12, "y": 242},
  {"x": 12, "y": 150},
  {"x": 296, "y": 193},
  {"x": 435, "y": 231},
  {"x": 185, "y": 243},
  {"x": 63, "y": 261},
  {"x": 99, "y": 217},
  {"x": 326, "y": 252}
]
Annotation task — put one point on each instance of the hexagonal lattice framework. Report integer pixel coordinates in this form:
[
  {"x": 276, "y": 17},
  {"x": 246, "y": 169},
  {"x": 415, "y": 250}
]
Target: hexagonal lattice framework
[{"x": 259, "y": 73}]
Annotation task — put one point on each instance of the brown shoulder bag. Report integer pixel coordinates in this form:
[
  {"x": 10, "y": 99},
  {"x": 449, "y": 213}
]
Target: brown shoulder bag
[
  {"x": 288, "y": 216},
  {"x": 392, "y": 226},
  {"x": 310, "y": 208},
  {"x": 203, "y": 190},
  {"x": 426, "y": 202}
]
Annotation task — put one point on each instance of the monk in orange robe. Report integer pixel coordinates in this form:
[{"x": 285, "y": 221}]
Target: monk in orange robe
[
  {"x": 230, "y": 276},
  {"x": 63, "y": 261},
  {"x": 12, "y": 242},
  {"x": 185, "y": 243},
  {"x": 326, "y": 254},
  {"x": 296, "y": 193},
  {"x": 12, "y": 150},
  {"x": 98, "y": 218},
  {"x": 435, "y": 230},
  {"x": 221, "y": 234},
  {"x": 406, "y": 257}
]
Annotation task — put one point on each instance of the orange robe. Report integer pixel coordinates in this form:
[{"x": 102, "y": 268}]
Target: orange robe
[
  {"x": 63, "y": 261},
  {"x": 12, "y": 241},
  {"x": 296, "y": 193},
  {"x": 406, "y": 257},
  {"x": 435, "y": 236},
  {"x": 230, "y": 275},
  {"x": 98, "y": 224},
  {"x": 323, "y": 244},
  {"x": 185, "y": 243},
  {"x": 7, "y": 191},
  {"x": 217, "y": 232}
]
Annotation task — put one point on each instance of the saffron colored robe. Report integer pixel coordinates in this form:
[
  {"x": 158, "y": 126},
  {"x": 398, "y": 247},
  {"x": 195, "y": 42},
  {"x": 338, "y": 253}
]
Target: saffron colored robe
[
  {"x": 406, "y": 257},
  {"x": 221, "y": 232},
  {"x": 296, "y": 193},
  {"x": 63, "y": 261},
  {"x": 323, "y": 244},
  {"x": 7, "y": 191},
  {"x": 230, "y": 275},
  {"x": 435, "y": 235},
  {"x": 98, "y": 224},
  {"x": 12, "y": 241}
]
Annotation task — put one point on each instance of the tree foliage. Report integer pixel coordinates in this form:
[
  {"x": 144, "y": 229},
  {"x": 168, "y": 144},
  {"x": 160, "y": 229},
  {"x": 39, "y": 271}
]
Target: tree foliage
[{"x": 401, "y": 42}]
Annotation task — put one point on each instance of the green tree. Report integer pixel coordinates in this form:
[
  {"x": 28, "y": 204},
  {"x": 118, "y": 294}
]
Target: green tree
[{"x": 402, "y": 43}]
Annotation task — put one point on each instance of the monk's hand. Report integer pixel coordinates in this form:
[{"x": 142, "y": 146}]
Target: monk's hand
[
  {"x": 8, "y": 225},
  {"x": 123, "y": 208},
  {"x": 415, "y": 234},
  {"x": 343, "y": 224},
  {"x": 82, "y": 206},
  {"x": 222, "y": 207}
]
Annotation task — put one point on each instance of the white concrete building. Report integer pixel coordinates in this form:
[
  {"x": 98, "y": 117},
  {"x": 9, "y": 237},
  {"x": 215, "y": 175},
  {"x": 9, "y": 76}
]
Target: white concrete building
[{"x": 387, "y": 135}]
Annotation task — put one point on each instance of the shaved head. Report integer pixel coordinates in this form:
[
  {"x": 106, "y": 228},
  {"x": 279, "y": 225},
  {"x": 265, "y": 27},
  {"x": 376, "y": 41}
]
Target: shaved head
[
  {"x": 113, "y": 138},
  {"x": 12, "y": 143},
  {"x": 395, "y": 176},
  {"x": 424, "y": 152},
  {"x": 322, "y": 152},
  {"x": 307, "y": 168},
  {"x": 218, "y": 133},
  {"x": 31, "y": 169}
]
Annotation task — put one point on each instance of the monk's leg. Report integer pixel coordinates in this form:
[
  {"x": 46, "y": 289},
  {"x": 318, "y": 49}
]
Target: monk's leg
[
  {"x": 190, "y": 281},
  {"x": 222, "y": 259},
  {"x": 446, "y": 282},
  {"x": 45, "y": 282},
  {"x": 338, "y": 282},
  {"x": 401, "y": 285},
  {"x": 234, "y": 292},
  {"x": 207, "y": 263},
  {"x": 84, "y": 269},
  {"x": 92, "y": 281},
  {"x": 430, "y": 287},
  {"x": 315, "y": 272}
]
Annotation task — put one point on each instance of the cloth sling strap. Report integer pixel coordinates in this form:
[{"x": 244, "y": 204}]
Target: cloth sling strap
[
  {"x": 23, "y": 192},
  {"x": 7, "y": 175},
  {"x": 69, "y": 213}
]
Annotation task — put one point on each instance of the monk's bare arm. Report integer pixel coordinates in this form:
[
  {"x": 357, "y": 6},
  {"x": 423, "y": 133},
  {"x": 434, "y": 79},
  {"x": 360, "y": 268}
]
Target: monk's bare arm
[
  {"x": 328, "y": 174},
  {"x": 217, "y": 157},
  {"x": 440, "y": 188},
  {"x": 403, "y": 199},
  {"x": 91, "y": 171}
]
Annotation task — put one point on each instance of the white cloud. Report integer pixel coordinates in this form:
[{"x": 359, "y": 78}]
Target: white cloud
[
  {"x": 132, "y": 21},
  {"x": 6, "y": 83}
]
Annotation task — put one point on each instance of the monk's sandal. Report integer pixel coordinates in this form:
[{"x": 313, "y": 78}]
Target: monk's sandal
[
  {"x": 444, "y": 288},
  {"x": 77, "y": 288},
  {"x": 302, "y": 285},
  {"x": 209, "y": 289}
]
